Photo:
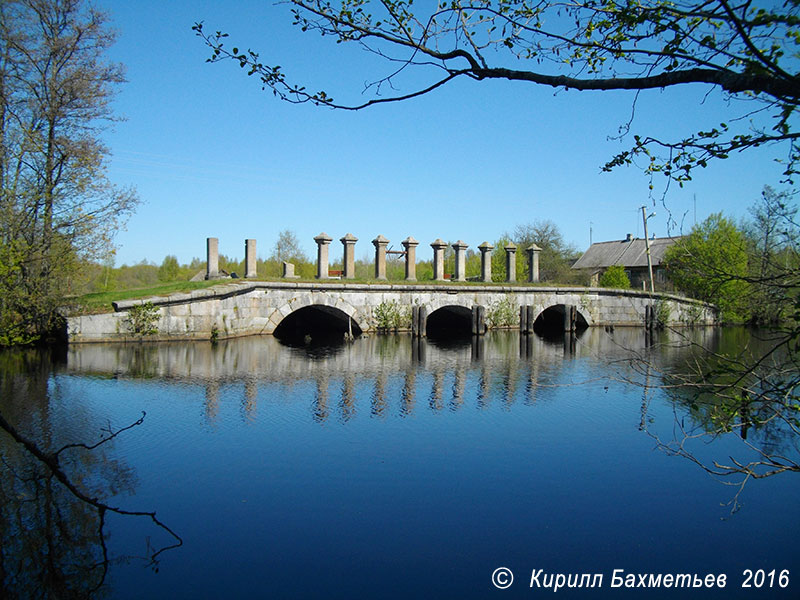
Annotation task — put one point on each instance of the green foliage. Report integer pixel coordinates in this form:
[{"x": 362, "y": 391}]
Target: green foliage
[
  {"x": 499, "y": 259},
  {"x": 142, "y": 319},
  {"x": 169, "y": 269},
  {"x": 288, "y": 248},
  {"x": 391, "y": 316},
  {"x": 555, "y": 256},
  {"x": 773, "y": 235},
  {"x": 663, "y": 312},
  {"x": 503, "y": 313},
  {"x": 711, "y": 265},
  {"x": 615, "y": 277},
  {"x": 58, "y": 211}
]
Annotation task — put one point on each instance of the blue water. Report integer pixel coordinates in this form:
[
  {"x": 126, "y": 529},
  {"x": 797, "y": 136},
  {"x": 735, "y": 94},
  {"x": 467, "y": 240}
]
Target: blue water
[{"x": 377, "y": 470}]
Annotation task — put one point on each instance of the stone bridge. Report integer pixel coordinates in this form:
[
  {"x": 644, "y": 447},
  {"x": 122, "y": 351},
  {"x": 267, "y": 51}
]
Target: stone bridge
[{"x": 288, "y": 309}]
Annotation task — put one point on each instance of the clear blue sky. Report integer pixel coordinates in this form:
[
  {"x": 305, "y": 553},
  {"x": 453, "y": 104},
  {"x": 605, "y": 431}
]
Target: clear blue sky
[{"x": 214, "y": 156}]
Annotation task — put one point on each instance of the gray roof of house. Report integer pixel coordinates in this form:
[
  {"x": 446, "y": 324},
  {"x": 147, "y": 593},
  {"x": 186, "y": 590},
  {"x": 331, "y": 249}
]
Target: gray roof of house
[{"x": 625, "y": 253}]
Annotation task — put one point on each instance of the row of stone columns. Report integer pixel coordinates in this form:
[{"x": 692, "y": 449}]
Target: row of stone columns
[
  {"x": 212, "y": 258},
  {"x": 323, "y": 241},
  {"x": 439, "y": 246}
]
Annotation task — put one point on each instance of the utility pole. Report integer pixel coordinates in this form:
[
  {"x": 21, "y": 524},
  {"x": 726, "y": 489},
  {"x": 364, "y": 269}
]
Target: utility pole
[{"x": 645, "y": 216}]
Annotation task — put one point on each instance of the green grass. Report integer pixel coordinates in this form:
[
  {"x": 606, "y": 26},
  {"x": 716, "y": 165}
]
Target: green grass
[{"x": 99, "y": 302}]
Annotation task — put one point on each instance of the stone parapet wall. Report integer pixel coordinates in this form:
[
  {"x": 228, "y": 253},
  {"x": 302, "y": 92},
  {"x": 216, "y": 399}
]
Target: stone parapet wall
[{"x": 258, "y": 307}]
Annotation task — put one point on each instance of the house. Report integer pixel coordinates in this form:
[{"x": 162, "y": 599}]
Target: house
[{"x": 630, "y": 253}]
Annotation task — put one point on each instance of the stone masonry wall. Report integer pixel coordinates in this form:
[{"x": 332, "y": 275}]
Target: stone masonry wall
[{"x": 257, "y": 307}]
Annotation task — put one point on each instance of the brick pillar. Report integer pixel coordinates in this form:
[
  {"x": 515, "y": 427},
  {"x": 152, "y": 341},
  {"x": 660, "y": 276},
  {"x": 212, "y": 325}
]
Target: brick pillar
[
  {"x": 250, "y": 264},
  {"x": 511, "y": 262},
  {"x": 486, "y": 261},
  {"x": 533, "y": 263},
  {"x": 380, "y": 244},
  {"x": 410, "y": 244},
  {"x": 323, "y": 240},
  {"x": 349, "y": 256},
  {"x": 212, "y": 258},
  {"x": 438, "y": 259}
]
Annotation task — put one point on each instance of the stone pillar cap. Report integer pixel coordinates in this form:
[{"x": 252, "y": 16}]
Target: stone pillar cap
[
  {"x": 323, "y": 238},
  {"x": 460, "y": 244},
  {"x": 486, "y": 246},
  {"x": 510, "y": 246},
  {"x": 380, "y": 240},
  {"x": 438, "y": 243},
  {"x": 348, "y": 238},
  {"x": 410, "y": 241},
  {"x": 534, "y": 248}
]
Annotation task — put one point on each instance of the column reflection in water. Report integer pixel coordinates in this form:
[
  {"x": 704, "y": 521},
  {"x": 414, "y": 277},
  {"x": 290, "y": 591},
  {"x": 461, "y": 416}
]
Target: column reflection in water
[
  {"x": 459, "y": 381},
  {"x": 379, "y": 405},
  {"x": 435, "y": 400},
  {"x": 347, "y": 404},
  {"x": 408, "y": 393},
  {"x": 320, "y": 404},
  {"x": 250, "y": 400},
  {"x": 212, "y": 401},
  {"x": 385, "y": 373},
  {"x": 484, "y": 385}
]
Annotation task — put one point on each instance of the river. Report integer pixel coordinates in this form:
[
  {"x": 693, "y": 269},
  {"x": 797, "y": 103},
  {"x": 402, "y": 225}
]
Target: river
[{"x": 386, "y": 468}]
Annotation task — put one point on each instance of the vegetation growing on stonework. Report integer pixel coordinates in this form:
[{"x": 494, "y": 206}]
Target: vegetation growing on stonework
[
  {"x": 142, "y": 319},
  {"x": 389, "y": 315}
]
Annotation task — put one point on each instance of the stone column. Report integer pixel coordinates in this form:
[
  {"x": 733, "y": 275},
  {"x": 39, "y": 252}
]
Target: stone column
[
  {"x": 511, "y": 261},
  {"x": 212, "y": 258},
  {"x": 438, "y": 259},
  {"x": 250, "y": 263},
  {"x": 380, "y": 244},
  {"x": 323, "y": 239},
  {"x": 410, "y": 244},
  {"x": 533, "y": 263},
  {"x": 486, "y": 261},
  {"x": 461, "y": 260},
  {"x": 349, "y": 256}
]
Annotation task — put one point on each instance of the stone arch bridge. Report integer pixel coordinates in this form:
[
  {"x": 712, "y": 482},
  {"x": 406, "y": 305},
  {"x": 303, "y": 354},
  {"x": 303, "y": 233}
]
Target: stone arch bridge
[{"x": 261, "y": 307}]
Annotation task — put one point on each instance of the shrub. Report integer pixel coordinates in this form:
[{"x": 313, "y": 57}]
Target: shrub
[{"x": 615, "y": 277}]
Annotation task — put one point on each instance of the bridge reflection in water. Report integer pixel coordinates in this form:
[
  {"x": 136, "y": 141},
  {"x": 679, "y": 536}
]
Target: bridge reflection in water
[{"x": 397, "y": 373}]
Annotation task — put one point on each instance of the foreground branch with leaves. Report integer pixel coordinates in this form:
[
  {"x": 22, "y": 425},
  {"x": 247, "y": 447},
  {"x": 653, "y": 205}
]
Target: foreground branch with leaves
[{"x": 745, "y": 50}]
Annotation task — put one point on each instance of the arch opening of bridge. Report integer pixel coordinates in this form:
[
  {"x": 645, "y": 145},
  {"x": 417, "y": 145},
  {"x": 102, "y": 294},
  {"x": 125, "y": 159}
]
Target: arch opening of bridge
[
  {"x": 316, "y": 323},
  {"x": 449, "y": 322},
  {"x": 550, "y": 322}
]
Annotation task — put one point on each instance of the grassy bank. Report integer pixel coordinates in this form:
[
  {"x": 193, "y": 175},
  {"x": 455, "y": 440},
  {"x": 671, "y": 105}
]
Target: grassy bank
[{"x": 99, "y": 302}]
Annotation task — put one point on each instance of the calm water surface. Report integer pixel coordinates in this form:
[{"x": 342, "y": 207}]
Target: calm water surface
[{"x": 384, "y": 468}]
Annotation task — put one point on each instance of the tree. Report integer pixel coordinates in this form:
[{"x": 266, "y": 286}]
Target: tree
[
  {"x": 711, "y": 265},
  {"x": 554, "y": 258},
  {"x": 615, "y": 277},
  {"x": 287, "y": 248},
  {"x": 746, "y": 50},
  {"x": 169, "y": 269},
  {"x": 774, "y": 235},
  {"x": 57, "y": 207}
]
